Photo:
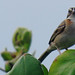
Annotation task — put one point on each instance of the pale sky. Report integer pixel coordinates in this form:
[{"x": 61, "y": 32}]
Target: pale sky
[{"x": 40, "y": 16}]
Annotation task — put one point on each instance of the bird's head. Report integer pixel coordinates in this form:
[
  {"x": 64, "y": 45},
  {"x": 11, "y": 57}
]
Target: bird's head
[{"x": 71, "y": 12}]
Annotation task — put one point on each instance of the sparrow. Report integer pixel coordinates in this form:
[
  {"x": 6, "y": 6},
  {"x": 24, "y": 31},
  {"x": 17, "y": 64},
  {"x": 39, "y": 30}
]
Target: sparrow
[{"x": 64, "y": 36}]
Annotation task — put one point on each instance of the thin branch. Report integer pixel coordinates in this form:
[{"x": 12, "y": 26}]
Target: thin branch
[{"x": 2, "y": 70}]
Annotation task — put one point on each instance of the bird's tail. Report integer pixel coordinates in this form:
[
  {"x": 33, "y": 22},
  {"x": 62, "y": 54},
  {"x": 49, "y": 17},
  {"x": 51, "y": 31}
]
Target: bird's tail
[{"x": 45, "y": 54}]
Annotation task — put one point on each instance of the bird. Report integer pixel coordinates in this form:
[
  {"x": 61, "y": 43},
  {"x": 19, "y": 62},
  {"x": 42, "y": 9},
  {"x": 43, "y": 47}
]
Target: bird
[{"x": 63, "y": 37}]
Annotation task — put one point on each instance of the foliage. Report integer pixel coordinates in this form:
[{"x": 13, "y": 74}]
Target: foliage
[
  {"x": 64, "y": 64},
  {"x": 22, "y": 39},
  {"x": 45, "y": 71},
  {"x": 22, "y": 63},
  {"x": 26, "y": 65}
]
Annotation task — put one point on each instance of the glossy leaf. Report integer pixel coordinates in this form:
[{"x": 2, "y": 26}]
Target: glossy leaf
[
  {"x": 26, "y": 65},
  {"x": 64, "y": 64},
  {"x": 45, "y": 71}
]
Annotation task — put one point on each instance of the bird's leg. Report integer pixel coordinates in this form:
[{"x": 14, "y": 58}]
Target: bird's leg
[
  {"x": 56, "y": 47},
  {"x": 58, "y": 50}
]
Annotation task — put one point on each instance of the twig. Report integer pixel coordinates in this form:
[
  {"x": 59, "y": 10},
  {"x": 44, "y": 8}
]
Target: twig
[{"x": 2, "y": 70}]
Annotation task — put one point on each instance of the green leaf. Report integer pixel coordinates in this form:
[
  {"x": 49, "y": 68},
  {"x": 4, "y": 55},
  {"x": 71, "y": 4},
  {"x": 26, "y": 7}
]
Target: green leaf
[
  {"x": 22, "y": 39},
  {"x": 44, "y": 70},
  {"x": 26, "y": 65},
  {"x": 64, "y": 64},
  {"x": 8, "y": 66},
  {"x": 7, "y": 55}
]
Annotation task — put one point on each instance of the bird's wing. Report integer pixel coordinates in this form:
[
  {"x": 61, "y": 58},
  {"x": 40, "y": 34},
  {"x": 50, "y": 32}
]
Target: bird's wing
[{"x": 59, "y": 30}]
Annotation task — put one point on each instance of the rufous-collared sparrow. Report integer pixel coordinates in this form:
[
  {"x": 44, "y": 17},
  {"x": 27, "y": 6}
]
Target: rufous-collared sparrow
[{"x": 64, "y": 36}]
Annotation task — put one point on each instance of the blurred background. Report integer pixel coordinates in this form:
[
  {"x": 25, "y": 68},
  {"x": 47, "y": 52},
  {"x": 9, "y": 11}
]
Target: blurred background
[{"x": 40, "y": 16}]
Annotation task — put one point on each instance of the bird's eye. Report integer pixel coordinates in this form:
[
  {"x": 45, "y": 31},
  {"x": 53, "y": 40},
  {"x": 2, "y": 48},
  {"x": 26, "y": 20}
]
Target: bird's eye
[{"x": 70, "y": 11}]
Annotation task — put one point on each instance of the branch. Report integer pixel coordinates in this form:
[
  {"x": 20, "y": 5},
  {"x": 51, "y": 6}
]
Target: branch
[{"x": 2, "y": 70}]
